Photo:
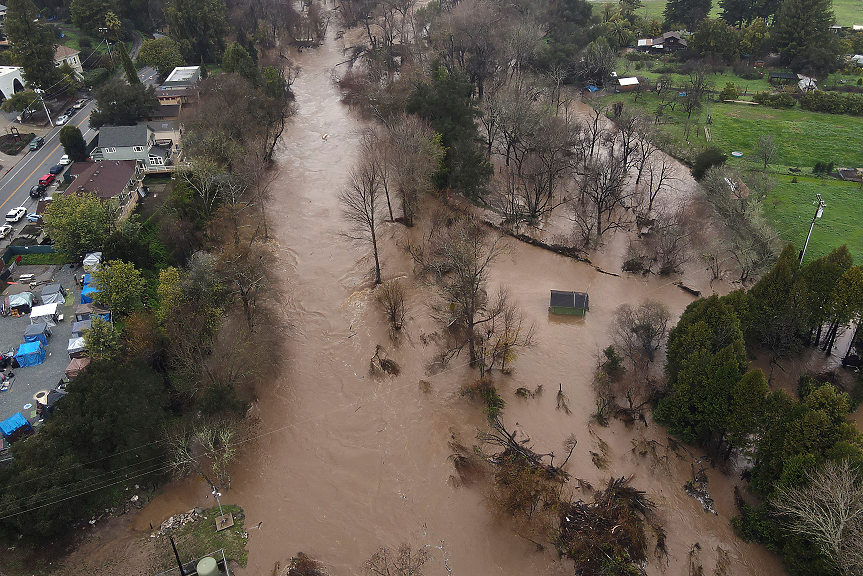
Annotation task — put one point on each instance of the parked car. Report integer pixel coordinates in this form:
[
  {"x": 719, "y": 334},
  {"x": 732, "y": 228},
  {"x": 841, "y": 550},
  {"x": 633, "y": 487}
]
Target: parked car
[
  {"x": 70, "y": 112},
  {"x": 56, "y": 169},
  {"x": 65, "y": 160},
  {"x": 5, "y": 230},
  {"x": 37, "y": 191},
  {"x": 36, "y": 143},
  {"x": 79, "y": 103},
  {"x": 33, "y": 217},
  {"x": 46, "y": 179},
  {"x": 61, "y": 120},
  {"x": 15, "y": 214}
]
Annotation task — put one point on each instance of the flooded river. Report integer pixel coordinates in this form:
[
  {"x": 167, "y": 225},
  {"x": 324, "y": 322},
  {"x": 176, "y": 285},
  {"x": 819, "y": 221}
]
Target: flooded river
[{"x": 349, "y": 463}]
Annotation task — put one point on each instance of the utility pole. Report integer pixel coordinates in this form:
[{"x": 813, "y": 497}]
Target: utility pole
[
  {"x": 819, "y": 211},
  {"x": 39, "y": 92}
]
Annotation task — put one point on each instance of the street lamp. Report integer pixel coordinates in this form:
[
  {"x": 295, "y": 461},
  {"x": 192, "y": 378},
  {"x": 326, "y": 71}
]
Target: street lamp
[{"x": 819, "y": 211}]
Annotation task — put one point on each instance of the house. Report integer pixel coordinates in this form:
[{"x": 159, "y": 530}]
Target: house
[
  {"x": 10, "y": 81},
  {"x": 179, "y": 86},
  {"x": 668, "y": 42},
  {"x": 782, "y": 77},
  {"x": 66, "y": 55},
  {"x": 571, "y": 303},
  {"x": 136, "y": 143},
  {"x": 116, "y": 181}
]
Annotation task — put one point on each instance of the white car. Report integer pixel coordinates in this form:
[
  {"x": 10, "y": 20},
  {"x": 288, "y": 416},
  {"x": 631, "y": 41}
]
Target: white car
[
  {"x": 15, "y": 214},
  {"x": 61, "y": 120},
  {"x": 5, "y": 229},
  {"x": 64, "y": 160},
  {"x": 79, "y": 104}
]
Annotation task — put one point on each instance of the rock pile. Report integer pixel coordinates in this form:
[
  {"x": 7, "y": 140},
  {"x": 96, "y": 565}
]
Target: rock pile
[{"x": 178, "y": 521}]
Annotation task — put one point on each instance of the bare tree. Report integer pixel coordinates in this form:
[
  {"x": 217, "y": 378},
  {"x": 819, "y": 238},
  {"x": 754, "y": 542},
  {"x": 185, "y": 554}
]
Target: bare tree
[
  {"x": 659, "y": 174},
  {"x": 667, "y": 244},
  {"x": 458, "y": 260},
  {"x": 391, "y": 298},
  {"x": 828, "y": 509},
  {"x": 404, "y": 562},
  {"x": 603, "y": 200},
  {"x": 639, "y": 332},
  {"x": 504, "y": 333},
  {"x": 766, "y": 148},
  {"x": 207, "y": 446},
  {"x": 360, "y": 207},
  {"x": 416, "y": 154}
]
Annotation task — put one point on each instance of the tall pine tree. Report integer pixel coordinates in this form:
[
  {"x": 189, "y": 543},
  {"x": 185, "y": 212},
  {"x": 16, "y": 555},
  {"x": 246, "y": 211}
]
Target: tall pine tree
[
  {"x": 128, "y": 67},
  {"x": 32, "y": 44},
  {"x": 803, "y": 38},
  {"x": 686, "y": 13}
]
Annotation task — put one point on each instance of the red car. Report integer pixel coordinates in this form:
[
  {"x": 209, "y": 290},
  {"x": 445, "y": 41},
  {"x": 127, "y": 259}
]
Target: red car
[{"x": 46, "y": 179}]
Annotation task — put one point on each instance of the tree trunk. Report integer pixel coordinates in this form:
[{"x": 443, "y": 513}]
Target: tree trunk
[
  {"x": 377, "y": 260},
  {"x": 851, "y": 344}
]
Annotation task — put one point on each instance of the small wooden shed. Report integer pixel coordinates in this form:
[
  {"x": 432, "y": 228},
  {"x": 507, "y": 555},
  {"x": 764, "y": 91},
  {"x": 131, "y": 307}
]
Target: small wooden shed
[{"x": 572, "y": 303}]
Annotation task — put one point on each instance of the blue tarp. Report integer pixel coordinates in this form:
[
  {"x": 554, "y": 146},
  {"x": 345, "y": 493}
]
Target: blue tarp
[
  {"x": 87, "y": 294},
  {"x": 13, "y": 423},
  {"x": 37, "y": 333},
  {"x": 592, "y": 88},
  {"x": 30, "y": 354},
  {"x": 86, "y": 279}
]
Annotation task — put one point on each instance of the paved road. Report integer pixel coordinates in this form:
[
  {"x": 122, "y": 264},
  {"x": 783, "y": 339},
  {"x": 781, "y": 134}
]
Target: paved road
[
  {"x": 15, "y": 185},
  {"x": 149, "y": 76}
]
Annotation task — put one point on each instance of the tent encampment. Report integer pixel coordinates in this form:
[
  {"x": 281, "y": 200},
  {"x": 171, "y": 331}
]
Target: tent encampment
[
  {"x": 30, "y": 354},
  {"x": 37, "y": 333},
  {"x": 92, "y": 260},
  {"x": 53, "y": 293},
  {"x": 80, "y": 326},
  {"x": 23, "y": 301},
  {"x": 77, "y": 347},
  {"x": 76, "y": 366},
  {"x": 46, "y": 313},
  {"x": 14, "y": 427}
]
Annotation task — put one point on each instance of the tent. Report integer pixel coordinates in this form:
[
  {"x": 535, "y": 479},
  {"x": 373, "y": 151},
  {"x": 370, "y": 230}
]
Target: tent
[
  {"x": 84, "y": 311},
  {"x": 46, "y": 313},
  {"x": 53, "y": 293},
  {"x": 76, "y": 366},
  {"x": 77, "y": 347},
  {"x": 85, "y": 279},
  {"x": 37, "y": 333},
  {"x": 88, "y": 293},
  {"x": 23, "y": 301},
  {"x": 30, "y": 354},
  {"x": 92, "y": 260},
  {"x": 14, "y": 427},
  {"x": 80, "y": 326}
]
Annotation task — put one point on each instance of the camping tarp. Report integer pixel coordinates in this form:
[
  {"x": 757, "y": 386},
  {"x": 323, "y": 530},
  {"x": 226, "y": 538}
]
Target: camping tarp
[
  {"x": 30, "y": 354},
  {"x": 76, "y": 366},
  {"x": 46, "y": 313},
  {"x": 52, "y": 289},
  {"x": 87, "y": 294},
  {"x": 84, "y": 311},
  {"x": 76, "y": 347},
  {"x": 85, "y": 279},
  {"x": 37, "y": 333},
  {"x": 16, "y": 289},
  {"x": 21, "y": 300},
  {"x": 12, "y": 424},
  {"x": 81, "y": 325},
  {"x": 92, "y": 260}
]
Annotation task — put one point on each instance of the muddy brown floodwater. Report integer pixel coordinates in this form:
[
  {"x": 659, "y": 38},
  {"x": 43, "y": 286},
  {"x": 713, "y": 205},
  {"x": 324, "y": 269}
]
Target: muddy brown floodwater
[{"x": 348, "y": 463}]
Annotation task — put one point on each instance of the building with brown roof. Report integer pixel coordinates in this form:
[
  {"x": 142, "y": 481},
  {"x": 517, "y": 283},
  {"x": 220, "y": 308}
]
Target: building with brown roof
[
  {"x": 70, "y": 56},
  {"x": 115, "y": 181}
]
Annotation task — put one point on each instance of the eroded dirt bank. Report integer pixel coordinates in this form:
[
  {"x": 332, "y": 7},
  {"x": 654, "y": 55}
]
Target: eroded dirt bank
[{"x": 348, "y": 463}]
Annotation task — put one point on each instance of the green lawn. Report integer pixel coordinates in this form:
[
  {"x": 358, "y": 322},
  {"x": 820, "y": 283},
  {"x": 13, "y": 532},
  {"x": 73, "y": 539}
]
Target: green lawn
[
  {"x": 848, "y": 12},
  {"x": 789, "y": 208},
  {"x": 72, "y": 37}
]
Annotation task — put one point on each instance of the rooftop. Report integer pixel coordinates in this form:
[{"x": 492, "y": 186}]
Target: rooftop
[
  {"x": 61, "y": 52},
  {"x": 184, "y": 74},
  {"x": 9, "y": 70},
  {"x": 105, "y": 179},
  {"x": 123, "y": 136}
]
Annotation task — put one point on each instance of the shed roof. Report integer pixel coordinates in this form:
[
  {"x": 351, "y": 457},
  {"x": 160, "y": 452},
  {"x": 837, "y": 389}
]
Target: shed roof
[
  {"x": 61, "y": 52},
  {"x": 105, "y": 179},
  {"x": 564, "y": 299},
  {"x": 783, "y": 75},
  {"x": 631, "y": 81}
]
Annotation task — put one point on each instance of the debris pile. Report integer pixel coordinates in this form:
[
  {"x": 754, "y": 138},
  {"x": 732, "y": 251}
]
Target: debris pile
[{"x": 178, "y": 521}]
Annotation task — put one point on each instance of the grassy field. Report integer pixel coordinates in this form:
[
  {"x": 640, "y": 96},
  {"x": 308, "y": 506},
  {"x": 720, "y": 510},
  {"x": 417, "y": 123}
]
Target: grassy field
[
  {"x": 848, "y": 12},
  {"x": 789, "y": 208}
]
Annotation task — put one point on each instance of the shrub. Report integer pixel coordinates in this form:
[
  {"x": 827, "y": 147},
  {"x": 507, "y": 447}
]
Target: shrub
[
  {"x": 781, "y": 100},
  {"x": 730, "y": 92},
  {"x": 85, "y": 42},
  {"x": 833, "y": 102},
  {"x": 707, "y": 159},
  {"x": 483, "y": 389},
  {"x": 822, "y": 168}
]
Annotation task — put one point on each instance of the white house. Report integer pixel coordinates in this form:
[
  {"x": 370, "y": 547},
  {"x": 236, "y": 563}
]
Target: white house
[
  {"x": 64, "y": 54},
  {"x": 10, "y": 81}
]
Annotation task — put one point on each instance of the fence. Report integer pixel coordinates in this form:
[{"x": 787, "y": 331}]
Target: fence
[{"x": 13, "y": 251}]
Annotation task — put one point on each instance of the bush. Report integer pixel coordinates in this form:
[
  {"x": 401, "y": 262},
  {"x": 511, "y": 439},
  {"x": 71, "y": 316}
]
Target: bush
[
  {"x": 483, "y": 389},
  {"x": 730, "y": 92},
  {"x": 822, "y": 168},
  {"x": 781, "y": 100},
  {"x": 833, "y": 103},
  {"x": 707, "y": 159},
  {"x": 85, "y": 42}
]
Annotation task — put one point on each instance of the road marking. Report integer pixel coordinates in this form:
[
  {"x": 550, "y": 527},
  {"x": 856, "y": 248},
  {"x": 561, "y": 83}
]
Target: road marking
[{"x": 39, "y": 166}]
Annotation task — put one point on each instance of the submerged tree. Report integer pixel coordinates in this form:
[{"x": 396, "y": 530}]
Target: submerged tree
[{"x": 361, "y": 209}]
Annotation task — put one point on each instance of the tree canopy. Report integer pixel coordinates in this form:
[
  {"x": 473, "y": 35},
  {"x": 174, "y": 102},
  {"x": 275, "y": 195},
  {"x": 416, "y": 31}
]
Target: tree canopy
[
  {"x": 73, "y": 143},
  {"x": 79, "y": 223},
  {"x": 122, "y": 104},
  {"x": 199, "y": 27},
  {"x": 163, "y": 54},
  {"x": 33, "y": 44},
  {"x": 120, "y": 286},
  {"x": 803, "y": 38}
]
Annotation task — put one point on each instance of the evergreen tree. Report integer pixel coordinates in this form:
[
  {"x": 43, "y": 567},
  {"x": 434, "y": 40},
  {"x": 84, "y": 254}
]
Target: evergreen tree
[
  {"x": 686, "y": 13},
  {"x": 89, "y": 15},
  {"x": 163, "y": 54},
  {"x": 32, "y": 44},
  {"x": 238, "y": 61},
  {"x": 199, "y": 26},
  {"x": 73, "y": 143},
  {"x": 802, "y": 36},
  {"x": 128, "y": 67},
  {"x": 744, "y": 12}
]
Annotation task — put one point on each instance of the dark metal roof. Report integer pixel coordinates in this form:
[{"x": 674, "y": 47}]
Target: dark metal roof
[
  {"x": 783, "y": 75},
  {"x": 123, "y": 136},
  {"x": 569, "y": 299}
]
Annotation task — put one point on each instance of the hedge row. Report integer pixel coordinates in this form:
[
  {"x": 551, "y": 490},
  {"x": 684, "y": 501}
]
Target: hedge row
[
  {"x": 833, "y": 103},
  {"x": 780, "y": 100}
]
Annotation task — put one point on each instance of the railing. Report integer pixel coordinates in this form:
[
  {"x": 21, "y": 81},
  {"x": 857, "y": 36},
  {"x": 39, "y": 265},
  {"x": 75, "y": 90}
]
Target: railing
[{"x": 191, "y": 568}]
